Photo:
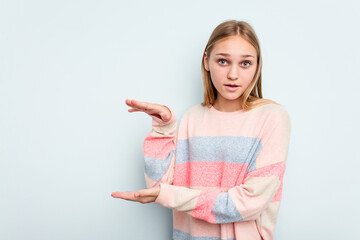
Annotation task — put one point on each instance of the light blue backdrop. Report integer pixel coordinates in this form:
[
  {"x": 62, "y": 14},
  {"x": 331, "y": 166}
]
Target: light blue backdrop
[{"x": 67, "y": 141}]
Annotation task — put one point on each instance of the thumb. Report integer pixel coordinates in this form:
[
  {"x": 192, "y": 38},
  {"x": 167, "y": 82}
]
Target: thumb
[
  {"x": 165, "y": 116},
  {"x": 148, "y": 192}
]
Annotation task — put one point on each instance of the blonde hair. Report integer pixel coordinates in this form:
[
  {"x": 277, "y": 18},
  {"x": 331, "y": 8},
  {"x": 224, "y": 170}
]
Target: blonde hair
[{"x": 252, "y": 96}]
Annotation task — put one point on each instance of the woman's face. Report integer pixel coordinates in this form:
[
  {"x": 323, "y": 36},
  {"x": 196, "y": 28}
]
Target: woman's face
[{"x": 232, "y": 65}]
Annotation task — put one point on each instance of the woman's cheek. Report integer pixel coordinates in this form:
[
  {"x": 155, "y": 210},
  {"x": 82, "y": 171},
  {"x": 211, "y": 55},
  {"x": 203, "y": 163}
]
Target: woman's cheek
[{"x": 219, "y": 72}]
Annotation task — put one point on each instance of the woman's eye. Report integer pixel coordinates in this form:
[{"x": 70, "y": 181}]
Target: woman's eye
[
  {"x": 221, "y": 61},
  {"x": 247, "y": 63}
]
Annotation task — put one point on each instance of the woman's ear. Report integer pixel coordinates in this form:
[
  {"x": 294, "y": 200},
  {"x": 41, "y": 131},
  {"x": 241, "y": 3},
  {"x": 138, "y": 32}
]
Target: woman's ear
[{"x": 206, "y": 62}]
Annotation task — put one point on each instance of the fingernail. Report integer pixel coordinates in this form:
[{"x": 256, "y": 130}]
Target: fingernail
[{"x": 137, "y": 194}]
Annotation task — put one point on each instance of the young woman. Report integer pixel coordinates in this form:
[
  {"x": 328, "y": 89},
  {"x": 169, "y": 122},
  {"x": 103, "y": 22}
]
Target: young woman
[{"x": 221, "y": 169}]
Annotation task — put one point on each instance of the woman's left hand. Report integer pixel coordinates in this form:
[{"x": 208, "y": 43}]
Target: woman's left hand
[{"x": 147, "y": 195}]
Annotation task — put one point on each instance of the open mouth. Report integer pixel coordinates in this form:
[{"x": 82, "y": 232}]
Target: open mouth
[{"x": 231, "y": 85}]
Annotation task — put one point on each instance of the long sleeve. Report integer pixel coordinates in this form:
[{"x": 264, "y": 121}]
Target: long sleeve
[
  {"x": 159, "y": 151},
  {"x": 246, "y": 201}
]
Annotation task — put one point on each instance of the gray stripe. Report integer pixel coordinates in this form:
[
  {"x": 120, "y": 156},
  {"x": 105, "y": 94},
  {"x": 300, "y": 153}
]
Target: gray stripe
[
  {"x": 180, "y": 235},
  {"x": 155, "y": 168},
  {"x": 230, "y": 149},
  {"x": 225, "y": 210}
]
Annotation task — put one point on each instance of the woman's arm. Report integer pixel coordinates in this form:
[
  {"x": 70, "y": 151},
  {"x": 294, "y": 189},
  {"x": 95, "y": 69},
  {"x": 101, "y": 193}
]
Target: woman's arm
[
  {"x": 248, "y": 200},
  {"x": 244, "y": 202},
  {"x": 159, "y": 151}
]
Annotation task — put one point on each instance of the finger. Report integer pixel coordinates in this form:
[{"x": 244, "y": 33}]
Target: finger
[
  {"x": 127, "y": 101},
  {"x": 146, "y": 199},
  {"x": 124, "y": 195},
  {"x": 148, "y": 192},
  {"x": 143, "y": 199},
  {"x": 130, "y": 102},
  {"x": 156, "y": 110},
  {"x": 134, "y": 110},
  {"x": 130, "y": 196},
  {"x": 137, "y": 104},
  {"x": 141, "y": 110},
  {"x": 140, "y": 106},
  {"x": 117, "y": 194}
]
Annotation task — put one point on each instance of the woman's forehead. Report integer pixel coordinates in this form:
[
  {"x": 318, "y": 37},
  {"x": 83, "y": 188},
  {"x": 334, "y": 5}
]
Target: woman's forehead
[{"x": 234, "y": 46}]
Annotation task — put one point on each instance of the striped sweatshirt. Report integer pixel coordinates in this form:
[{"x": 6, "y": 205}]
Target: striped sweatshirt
[{"x": 221, "y": 173}]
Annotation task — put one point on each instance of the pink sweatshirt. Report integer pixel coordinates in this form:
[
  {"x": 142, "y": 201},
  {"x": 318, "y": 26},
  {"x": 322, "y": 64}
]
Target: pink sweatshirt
[{"x": 220, "y": 172}]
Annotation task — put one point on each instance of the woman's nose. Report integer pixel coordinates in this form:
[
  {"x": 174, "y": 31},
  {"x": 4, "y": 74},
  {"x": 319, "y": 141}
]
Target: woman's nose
[{"x": 233, "y": 73}]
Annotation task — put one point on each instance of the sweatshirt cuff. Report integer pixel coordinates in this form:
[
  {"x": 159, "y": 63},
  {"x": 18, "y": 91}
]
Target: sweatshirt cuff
[
  {"x": 165, "y": 195},
  {"x": 178, "y": 198}
]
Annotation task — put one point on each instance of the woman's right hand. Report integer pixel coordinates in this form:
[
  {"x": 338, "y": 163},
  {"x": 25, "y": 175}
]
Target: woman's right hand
[{"x": 153, "y": 109}]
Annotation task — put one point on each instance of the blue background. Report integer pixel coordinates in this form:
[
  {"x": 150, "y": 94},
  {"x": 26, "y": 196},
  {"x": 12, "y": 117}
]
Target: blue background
[{"x": 67, "y": 141}]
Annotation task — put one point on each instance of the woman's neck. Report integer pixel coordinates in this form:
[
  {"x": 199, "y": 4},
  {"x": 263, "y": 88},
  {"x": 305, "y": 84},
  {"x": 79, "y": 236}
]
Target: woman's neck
[{"x": 227, "y": 105}]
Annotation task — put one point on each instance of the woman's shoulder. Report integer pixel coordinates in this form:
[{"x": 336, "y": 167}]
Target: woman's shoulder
[
  {"x": 272, "y": 107},
  {"x": 275, "y": 111},
  {"x": 196, "y": 109}
]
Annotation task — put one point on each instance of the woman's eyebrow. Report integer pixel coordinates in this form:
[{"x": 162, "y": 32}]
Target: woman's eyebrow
[{"x": 227, "y": 55}]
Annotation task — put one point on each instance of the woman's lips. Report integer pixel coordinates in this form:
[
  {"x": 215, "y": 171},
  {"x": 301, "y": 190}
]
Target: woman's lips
[{"x": 231, "y": 88}]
